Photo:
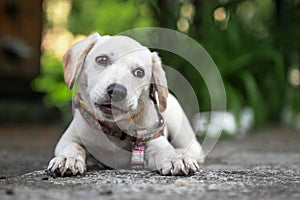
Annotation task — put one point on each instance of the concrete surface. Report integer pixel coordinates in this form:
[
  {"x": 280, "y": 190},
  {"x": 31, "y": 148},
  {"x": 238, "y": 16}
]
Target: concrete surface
[{"x": 264, "y": 165}]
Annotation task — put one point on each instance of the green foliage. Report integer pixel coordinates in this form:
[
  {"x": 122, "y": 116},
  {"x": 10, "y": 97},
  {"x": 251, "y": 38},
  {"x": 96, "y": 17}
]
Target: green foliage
[
  {"x": 252, "y": 69},
  {"x": 251, "y": 66},
  {"x": 245, "y": 48},
  {"x": 51, "y": 82},
  {"x": 109, "y": 17}
]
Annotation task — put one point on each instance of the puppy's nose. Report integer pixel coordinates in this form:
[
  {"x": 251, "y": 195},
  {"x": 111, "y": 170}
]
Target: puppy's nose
[{"x": 116, "y": 92}]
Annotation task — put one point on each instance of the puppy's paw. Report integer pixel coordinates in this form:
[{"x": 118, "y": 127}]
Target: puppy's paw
[
  {"x": 180, "y": 165},
  {"x": 66, "y": 165}
]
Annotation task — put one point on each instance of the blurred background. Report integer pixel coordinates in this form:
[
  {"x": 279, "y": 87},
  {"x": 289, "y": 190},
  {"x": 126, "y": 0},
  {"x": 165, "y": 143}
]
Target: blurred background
[{"x": 254, "y": 43}]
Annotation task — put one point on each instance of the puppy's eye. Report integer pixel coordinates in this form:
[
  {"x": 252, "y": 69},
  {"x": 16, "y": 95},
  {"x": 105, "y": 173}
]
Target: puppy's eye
[
  {"x": 139, "y": 72},
  {"x": 102, "y": 60}
]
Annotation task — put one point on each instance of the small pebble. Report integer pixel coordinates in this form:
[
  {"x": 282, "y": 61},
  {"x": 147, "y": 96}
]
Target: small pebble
[
  {"x": 45, "y": 178},
  {"x": 181, "y": 183},
  {"x": 106, "y": 192},
  {"x": 9, "y": 191},
  {"x": 212, "y": 187}
]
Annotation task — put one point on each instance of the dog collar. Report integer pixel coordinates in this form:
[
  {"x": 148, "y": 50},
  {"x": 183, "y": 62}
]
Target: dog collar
[{"x": 139, "y": 137}]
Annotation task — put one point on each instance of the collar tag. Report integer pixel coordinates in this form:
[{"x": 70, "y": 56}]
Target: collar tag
[{"x": 137, "y": 156}]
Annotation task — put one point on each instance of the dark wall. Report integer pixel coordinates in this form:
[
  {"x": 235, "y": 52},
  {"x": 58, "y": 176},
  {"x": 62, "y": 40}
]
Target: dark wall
[{"x": 20, "y": 39}]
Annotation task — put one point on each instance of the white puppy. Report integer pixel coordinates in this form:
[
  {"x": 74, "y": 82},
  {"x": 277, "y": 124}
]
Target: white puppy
[{"x": 123, "y": 115}]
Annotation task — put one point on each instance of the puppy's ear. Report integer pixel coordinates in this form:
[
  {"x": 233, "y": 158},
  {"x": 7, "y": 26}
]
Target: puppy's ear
[
  {"x": 159, "y": 81},
  {"x": 73, "y": 59}
]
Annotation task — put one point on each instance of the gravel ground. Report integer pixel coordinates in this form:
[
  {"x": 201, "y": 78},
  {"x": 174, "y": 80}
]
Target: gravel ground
[{"x": 265, "y": 165}]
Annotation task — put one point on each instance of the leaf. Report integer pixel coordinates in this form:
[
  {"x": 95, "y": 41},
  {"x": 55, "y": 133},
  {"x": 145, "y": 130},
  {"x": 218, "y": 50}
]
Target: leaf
[{"x": 255, "y": 97}]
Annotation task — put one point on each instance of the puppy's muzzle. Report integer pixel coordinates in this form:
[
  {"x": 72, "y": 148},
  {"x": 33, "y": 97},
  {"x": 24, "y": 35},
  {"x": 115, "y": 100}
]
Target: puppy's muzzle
[{"x": 116, "y": 92}]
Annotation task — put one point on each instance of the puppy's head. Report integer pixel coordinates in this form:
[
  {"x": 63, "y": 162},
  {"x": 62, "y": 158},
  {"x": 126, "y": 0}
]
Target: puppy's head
[{"x": 115, "y": 75}]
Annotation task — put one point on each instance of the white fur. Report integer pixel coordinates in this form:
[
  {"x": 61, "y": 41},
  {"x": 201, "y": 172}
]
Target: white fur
[{"x": 178, "y": 152}]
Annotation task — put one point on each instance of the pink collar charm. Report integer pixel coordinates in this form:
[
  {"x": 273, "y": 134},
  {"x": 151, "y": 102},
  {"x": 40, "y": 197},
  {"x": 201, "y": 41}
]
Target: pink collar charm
[{"x": 138, "y": 146}]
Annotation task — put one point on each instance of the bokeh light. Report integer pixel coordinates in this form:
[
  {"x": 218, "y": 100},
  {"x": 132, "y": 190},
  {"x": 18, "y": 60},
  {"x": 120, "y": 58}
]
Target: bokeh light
[
  {"x": 220, "y": 14},
  {"x": 183, "y": 25},
  {"x": 246, "y": 10},
  {"x": 221, "y": 17},
  {"x": 187, "y": 10},
  {"x": 58, "y": 39},
  {"x": 294, "y": 77},
  {"x": 58, "y": 11}
]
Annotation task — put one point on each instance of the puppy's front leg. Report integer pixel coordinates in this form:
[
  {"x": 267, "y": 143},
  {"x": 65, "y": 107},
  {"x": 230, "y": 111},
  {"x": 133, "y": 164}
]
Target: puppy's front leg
[
  {"x": 160, "y": 155},
  {"x": 181, "y": 133},
  {"x": 69, "y": 155}
]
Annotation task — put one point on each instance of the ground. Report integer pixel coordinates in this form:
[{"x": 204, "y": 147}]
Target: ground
[{"x": 263, "y": 165}]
